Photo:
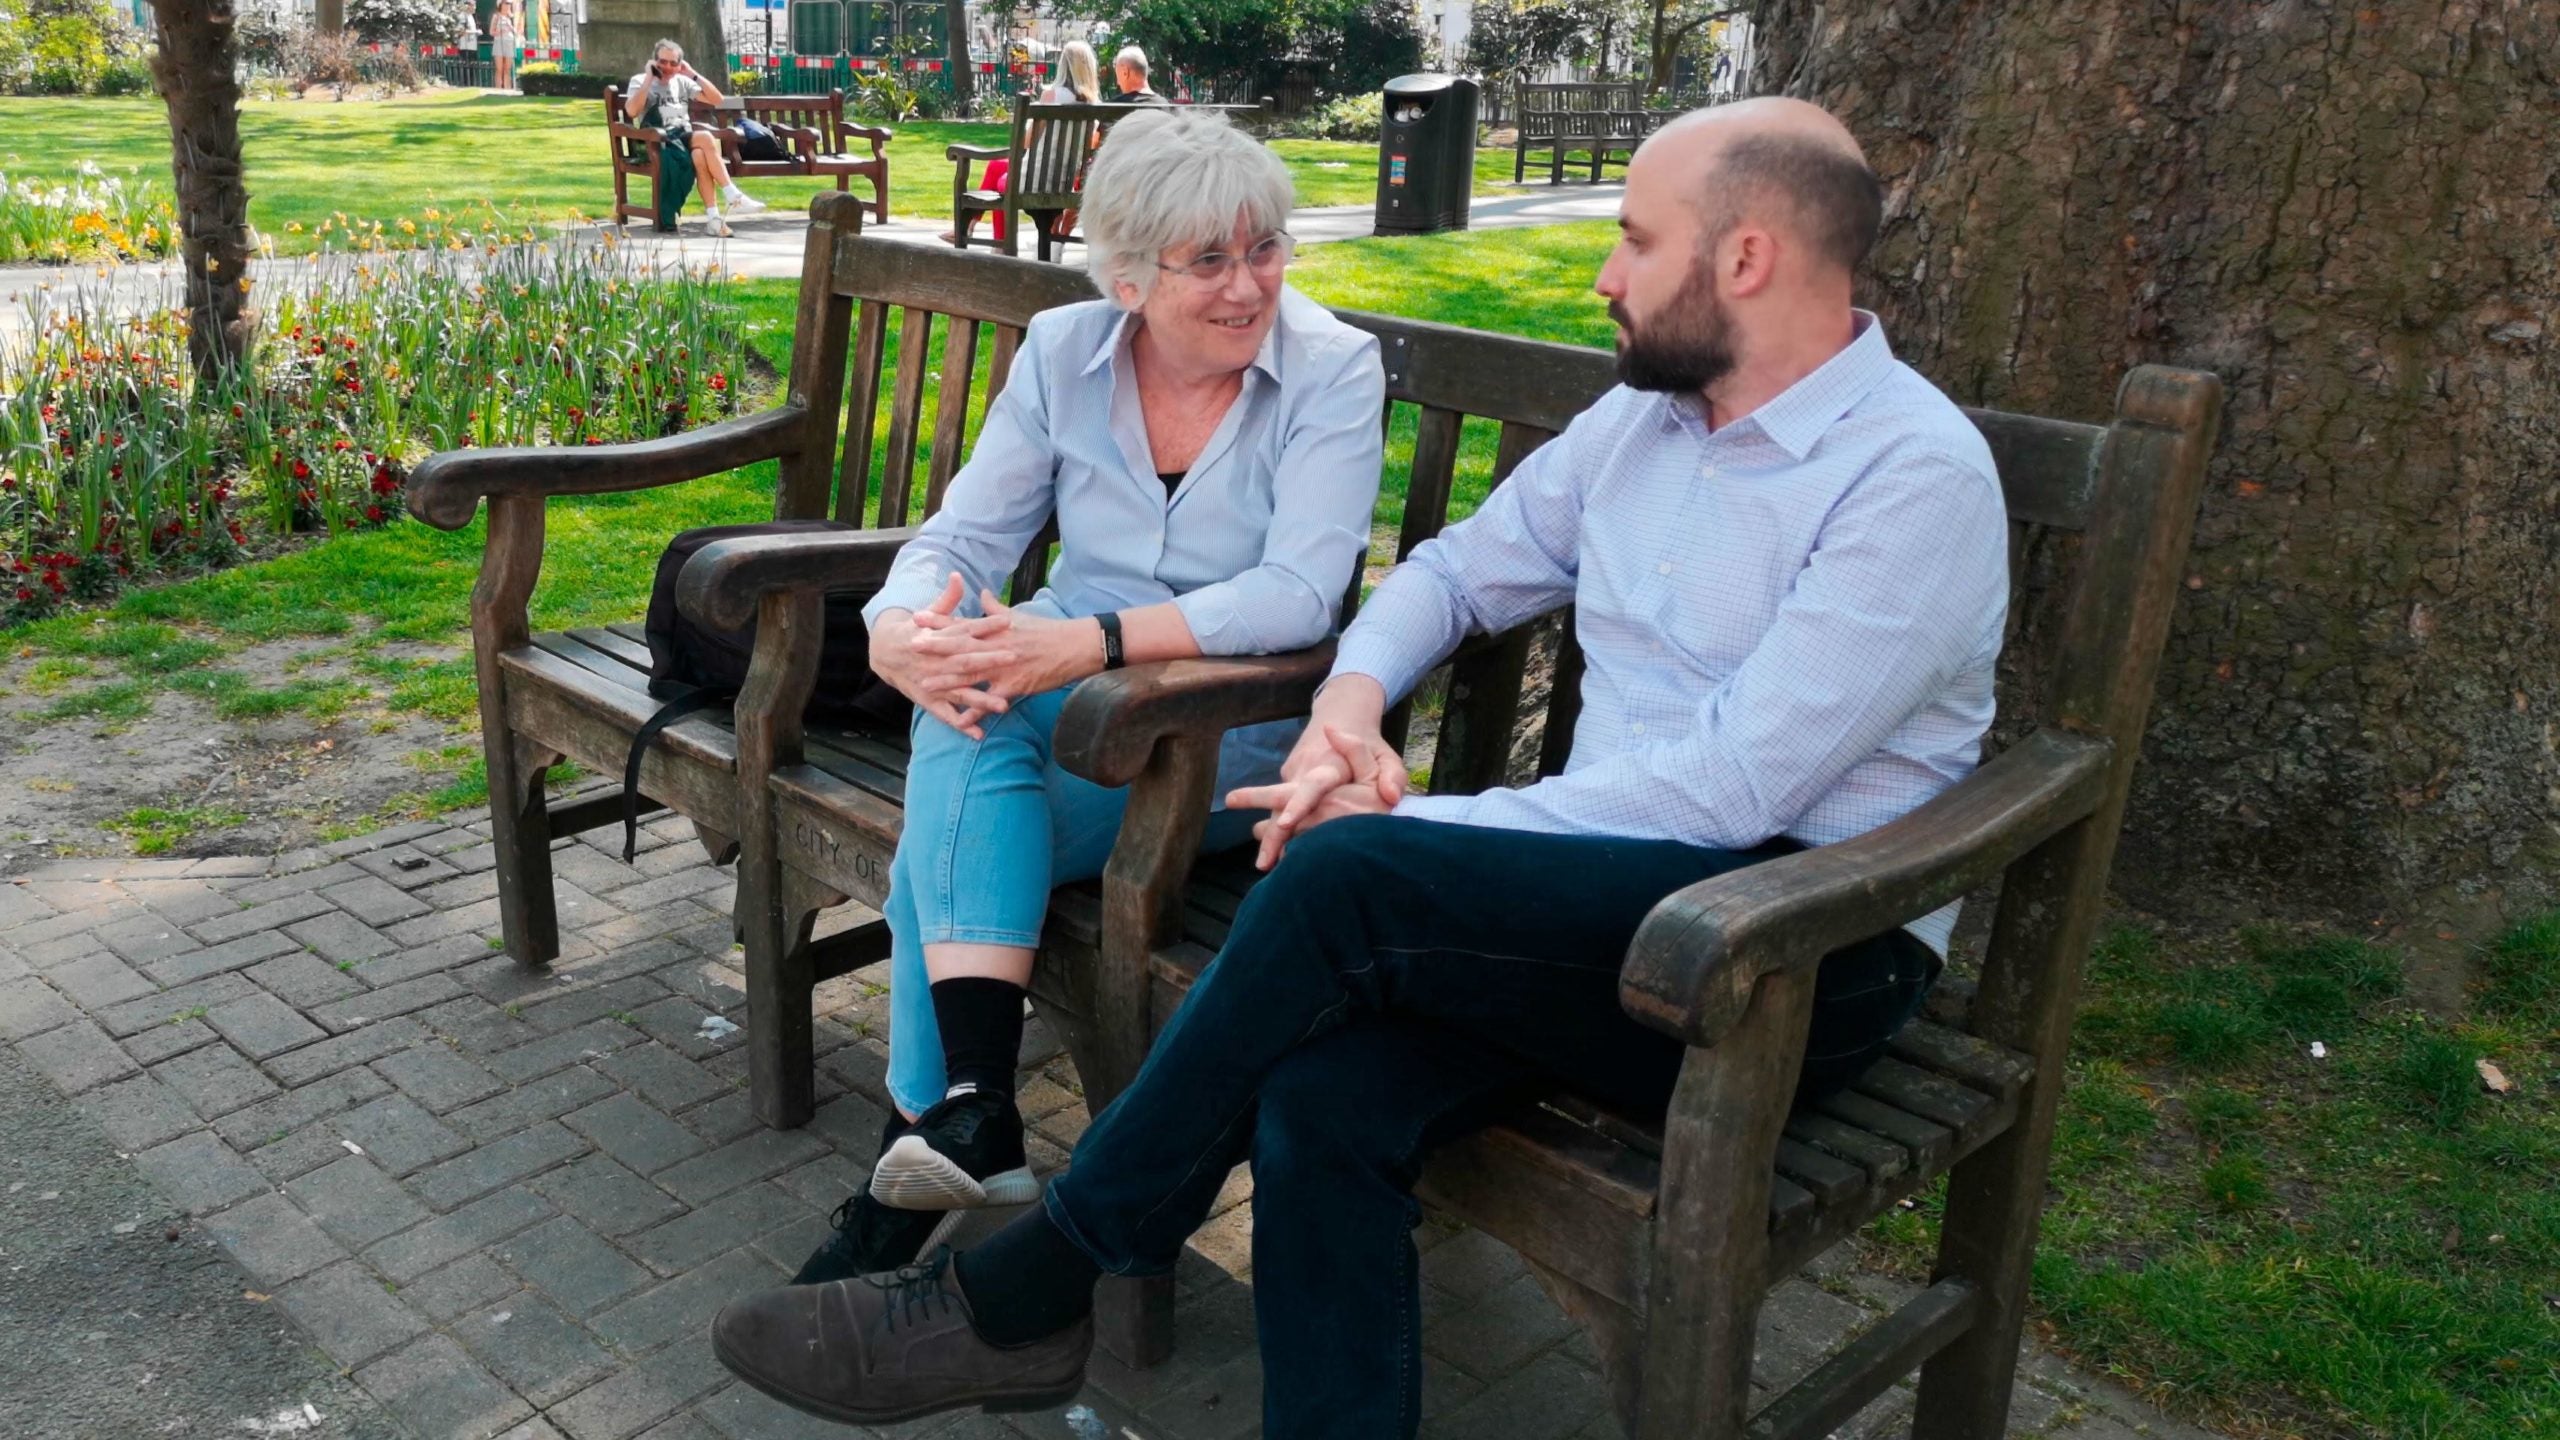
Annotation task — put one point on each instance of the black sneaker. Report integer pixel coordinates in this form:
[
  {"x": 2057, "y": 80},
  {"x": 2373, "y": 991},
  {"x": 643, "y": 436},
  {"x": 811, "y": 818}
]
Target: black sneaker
[
  {"x": 871, "y": 1238},
  {"x": 961, "y": 1154}
]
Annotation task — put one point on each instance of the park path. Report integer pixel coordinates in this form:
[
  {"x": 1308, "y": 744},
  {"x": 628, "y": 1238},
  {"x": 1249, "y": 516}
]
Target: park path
[
  {"x": 485, "y": 1201},
  {"x": 766, "y": 246}
]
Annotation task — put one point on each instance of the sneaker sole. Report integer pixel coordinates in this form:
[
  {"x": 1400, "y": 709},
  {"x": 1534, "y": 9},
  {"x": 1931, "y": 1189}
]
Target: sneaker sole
[
  {"x": 912, "y": 1175},
  {"x": 1003, "y": 1402}
]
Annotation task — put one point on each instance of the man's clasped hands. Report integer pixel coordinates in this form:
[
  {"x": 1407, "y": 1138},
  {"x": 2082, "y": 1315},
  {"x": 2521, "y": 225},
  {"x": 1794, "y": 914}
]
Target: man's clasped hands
[{"x": 961, "y": 669}]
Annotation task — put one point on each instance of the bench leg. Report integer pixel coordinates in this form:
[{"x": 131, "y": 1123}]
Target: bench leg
[
  {"x": 1994, "y": 1200},
  {"x": 1133, "y": 1319},
  {"x": 520, "y": 831},
  {"x": 777, "y": 911}
]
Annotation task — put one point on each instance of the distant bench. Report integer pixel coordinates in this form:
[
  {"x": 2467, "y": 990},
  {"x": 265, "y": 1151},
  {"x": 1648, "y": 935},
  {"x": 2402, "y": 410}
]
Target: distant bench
[
  {"x": 1607, "y": 119},
  {"x": 813, "y": 128}
]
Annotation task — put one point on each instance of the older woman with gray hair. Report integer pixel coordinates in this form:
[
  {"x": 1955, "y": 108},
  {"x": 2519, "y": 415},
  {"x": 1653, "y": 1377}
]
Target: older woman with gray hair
[{"x": 1207, "y": 440}]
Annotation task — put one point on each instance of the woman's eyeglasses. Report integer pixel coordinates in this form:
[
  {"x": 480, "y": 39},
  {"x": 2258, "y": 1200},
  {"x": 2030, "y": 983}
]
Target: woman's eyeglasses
[{"x": 1212, "y": 267}]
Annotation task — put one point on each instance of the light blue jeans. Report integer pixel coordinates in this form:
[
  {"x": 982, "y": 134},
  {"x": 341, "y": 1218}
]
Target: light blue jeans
[{"x": 991, "y": 827}]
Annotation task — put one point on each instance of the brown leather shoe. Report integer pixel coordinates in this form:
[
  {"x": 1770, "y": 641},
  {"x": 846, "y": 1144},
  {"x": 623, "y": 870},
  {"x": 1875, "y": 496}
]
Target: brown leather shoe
[{"x": 883, "y": 1348}]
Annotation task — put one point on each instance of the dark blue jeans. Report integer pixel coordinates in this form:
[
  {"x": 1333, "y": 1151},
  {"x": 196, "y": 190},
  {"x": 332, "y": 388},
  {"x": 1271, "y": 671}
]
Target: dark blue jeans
[{"x": 1391, "y": 986}]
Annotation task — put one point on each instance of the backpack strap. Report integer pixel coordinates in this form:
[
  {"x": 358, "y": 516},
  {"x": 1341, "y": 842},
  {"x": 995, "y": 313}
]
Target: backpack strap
[{"x": 674, "y": 710}]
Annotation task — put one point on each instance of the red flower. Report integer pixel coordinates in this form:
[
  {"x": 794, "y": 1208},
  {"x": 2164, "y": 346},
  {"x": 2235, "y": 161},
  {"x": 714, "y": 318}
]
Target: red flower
[
  {"x": 238, "y": 411},
  {"x": 595, "y": 439},
  {"x": 301, "y": 471},
  {"x": 719, "y": 382},
  {"x": 305, "y": 496},
  {"x": 343, "y": 444},
  {"x": 25, "y": 594},
  {"x": 373, "y": 513}
]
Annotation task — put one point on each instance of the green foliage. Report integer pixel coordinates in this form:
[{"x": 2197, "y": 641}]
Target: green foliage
[
  {"x": 155, "y": 831},
  {"x": 1359, "y": 43},
  {"x": 407, "y": 22},
  {"x": 2520, "y": 975},
  {"x": 1351, "y": 117},
  {"x": 1507, "y": 39}
]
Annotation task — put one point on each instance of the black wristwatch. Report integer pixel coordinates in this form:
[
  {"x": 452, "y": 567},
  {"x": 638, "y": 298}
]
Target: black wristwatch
[{"x": 1112, "y": 655}]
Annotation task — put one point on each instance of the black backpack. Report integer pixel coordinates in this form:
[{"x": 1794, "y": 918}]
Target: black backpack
[
  {"x": 696, "y": 667},
  {"x": 757, "y": 142}
]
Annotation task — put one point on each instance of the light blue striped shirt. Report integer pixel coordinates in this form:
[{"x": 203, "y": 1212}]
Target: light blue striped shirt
[
  {"x": 1256, "y": 547},
  {"x": 1790, "y": 624}
]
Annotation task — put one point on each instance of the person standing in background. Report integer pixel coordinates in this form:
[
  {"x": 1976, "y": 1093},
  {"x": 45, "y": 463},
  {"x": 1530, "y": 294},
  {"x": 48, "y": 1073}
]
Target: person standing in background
[{"x": 506, "y": 36}]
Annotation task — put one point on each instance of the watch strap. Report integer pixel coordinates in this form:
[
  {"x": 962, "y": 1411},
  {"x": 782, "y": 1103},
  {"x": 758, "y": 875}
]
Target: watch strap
[{"x": 1113, "y": 657}]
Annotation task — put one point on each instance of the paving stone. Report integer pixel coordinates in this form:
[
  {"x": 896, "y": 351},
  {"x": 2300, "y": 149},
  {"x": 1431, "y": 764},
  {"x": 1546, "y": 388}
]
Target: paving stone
[
  {"x": 476, "y": 1226},
  {"x": 473, "y": 920},
  {"x": 272, "y": 1240},
  {"x": 473, "y": 859},
  {"x": 683, "y": 1307},
  {"x": 293, "y": 879},
  {"x": 43, "y": 955},
  {"x": 742, "y": 1412},
  {"x": 676, "y": 1022},
  {"x": 464, "y": 890},
  {"x": 13, "y": 966},
  {"x": 459, "y": 1288},
  {"x": 621, "y": 1406},
  {"x": 303, "y": 980},
  {"x": 231, "y": 866},
  {"x": 414, "y": 961},
  {"x": 640, "y": 925},
  {"x": 298, "y": 1154},
  {"x": 823, "y": 1183},
  {"x": 1548, "y": 1399},
  {"x": 593, "y": 1003},
  {"x": 335, "y": 937},
  {"x": 100, "y": 981},
  {"x": 593, "y": 1040},
  {"x": 148, "y": 938},
  {"x": 609, "y": 1198},
  {"x": 31, "y": 936},
  {"x": 356, "y": 1202},
  {"x": 375, "y": 901},
  {"x": 573, "y": 1265},
  {"x": 262, "y": 1025},
  {"x": 548, "y": 1098},
  {"x": 72, "y": 896},
  {"x": 405, "y": 866},
  {"x": 686, "y": 1427},
  {"x": 791, "y": 1245},
  {"x": 435, "y": 1076},
  {"x": 728, "y": 1118},
  {"x": 299, "y": 1108},
  {"x": 259, "y": 915},
  {"x": 399, "y": 1134},
  {"x": 188, "y": 901},
  {"x": 139, "y": 1113},
  {"x": 500, "y": 1162},
  {"x": 501, "y": 981},
  {"x": 356, "y": 1047},
  {"x": 439, "y": 1394},
  {"x": 682, "y": 885},
  {"x": 17, "y": 907},
  {"x": 30, "y": 1007},
  {"x": 767, "y": 1152},
  {"x": 663, "y": 1078},
  {"x": 730, "y": 1221},
  {"x": 597, "y": 874},
  {"x": 161, "y": 1042},
  {"x": 236, "y": 954},
  {"x": 634, "y": 1132},
  {"x": 478, "y": 1026},
  {"x": 533, "y": 1347},
  {"x": 378, "y": 1005},
  {"x": 76, "y": 1057},
  {"x": 1491, "y": 1335},
  {"x": 1471, "y": 1263},
  {"x": 622, "y": 963},
  {"x": 199, "y": 1173},
  {"x": 173, "y": 1005}
]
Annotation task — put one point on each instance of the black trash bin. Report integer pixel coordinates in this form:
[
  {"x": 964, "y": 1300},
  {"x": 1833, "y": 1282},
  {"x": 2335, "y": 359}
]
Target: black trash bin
[{"x": 1426, "y": 154}]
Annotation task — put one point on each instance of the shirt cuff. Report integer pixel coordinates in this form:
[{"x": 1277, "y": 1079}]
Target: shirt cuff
[
  {"x": 1372, "y": 652},
  {"x": 1447, "y": 809}
]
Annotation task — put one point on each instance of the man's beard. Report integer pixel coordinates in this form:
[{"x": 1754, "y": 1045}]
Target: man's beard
[{"x": 1685, "y": 348}]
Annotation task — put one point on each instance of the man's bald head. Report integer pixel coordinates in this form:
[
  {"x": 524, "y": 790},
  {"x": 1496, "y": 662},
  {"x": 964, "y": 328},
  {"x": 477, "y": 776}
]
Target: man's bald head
[{"x": 1789, "y": 164}]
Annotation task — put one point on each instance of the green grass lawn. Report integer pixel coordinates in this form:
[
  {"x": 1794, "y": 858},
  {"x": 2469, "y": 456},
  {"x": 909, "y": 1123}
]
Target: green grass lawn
[
  {"x": 533, "y": 160},
  {"x": 2364, "y": 1244}
]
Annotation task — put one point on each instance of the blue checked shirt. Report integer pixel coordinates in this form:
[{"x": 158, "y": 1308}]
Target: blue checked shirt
[{"x": 1790, "y": 623}]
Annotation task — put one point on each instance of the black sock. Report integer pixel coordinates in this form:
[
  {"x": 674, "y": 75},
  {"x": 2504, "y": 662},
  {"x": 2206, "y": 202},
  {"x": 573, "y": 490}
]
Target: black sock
[
  {"x": 1027, "y": 1282},
  {"x": 981, "y": 1025}
]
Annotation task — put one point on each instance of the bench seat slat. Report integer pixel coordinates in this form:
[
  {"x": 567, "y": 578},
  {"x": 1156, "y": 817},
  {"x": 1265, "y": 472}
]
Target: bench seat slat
[{"x": 629, "y": 642}]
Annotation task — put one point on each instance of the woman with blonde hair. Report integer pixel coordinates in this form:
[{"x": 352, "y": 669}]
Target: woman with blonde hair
[
  {"x": 1076, "y": 80},
  {"x": 506, "y": 33}
]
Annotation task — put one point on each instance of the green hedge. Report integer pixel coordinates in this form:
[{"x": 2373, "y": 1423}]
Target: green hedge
[{"x": 576, "y": 87}]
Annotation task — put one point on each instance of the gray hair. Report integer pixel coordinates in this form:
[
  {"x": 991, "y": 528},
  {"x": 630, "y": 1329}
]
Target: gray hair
[
  {"x": 663, "y": 47},
  {"x": 1170, "y": 177},
  {"x": 1132, "y": 57}
]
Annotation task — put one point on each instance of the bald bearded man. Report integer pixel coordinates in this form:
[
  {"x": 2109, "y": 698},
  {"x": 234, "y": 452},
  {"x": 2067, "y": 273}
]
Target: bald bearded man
[{"x": 1787, "y": 557}]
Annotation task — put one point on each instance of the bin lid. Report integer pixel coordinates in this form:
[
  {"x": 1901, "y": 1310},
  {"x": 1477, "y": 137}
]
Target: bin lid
[{"x": 1420, "y": 84}]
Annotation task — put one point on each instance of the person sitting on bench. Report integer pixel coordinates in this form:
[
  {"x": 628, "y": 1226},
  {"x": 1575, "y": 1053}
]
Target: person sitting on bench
[
  {"x": 665, "y": 94},
  {"x": 1207, "y": 440},
  {"x": 1786, "y": 555}
]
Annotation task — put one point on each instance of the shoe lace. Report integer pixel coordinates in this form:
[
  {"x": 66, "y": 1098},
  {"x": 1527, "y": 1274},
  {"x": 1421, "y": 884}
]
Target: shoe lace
[{"x": 922, "y": 1288}]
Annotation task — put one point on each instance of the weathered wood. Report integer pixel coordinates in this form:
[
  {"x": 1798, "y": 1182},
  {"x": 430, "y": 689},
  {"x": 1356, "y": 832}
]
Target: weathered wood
[
  {"x": 2142, "y": 517},
  {"x": 1929, "y": 1144},
  {"x": 781, "y": 673},
  {"x": 1882, "y": 1160},
  {"x": 447, "y": 487},
  {"x": 817, "y": 364},
  {"x": 528, "y": 922},
  {"x": 1838, "y": 1389},
  {"x": 576, "y": 817},
  {"x": 1931, "y": 1097},
  {"x": 906, "y": 413},
  {"x": 951, "y": 410},
  {"x": 726, "y": 580},
  {"x": 1980, "y": 1064},
  {"x": 862, "y": 416},
  {"x": 1111, "y": 725},
  {"x": 1698, "y": 954}
]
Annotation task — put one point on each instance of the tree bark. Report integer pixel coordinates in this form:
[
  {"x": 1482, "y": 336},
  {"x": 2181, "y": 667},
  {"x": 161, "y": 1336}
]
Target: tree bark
[
  {"x": 705, "y": 43},
  {"x": 2352, "y": 215},
  {"x": 329, "y": 17},
  {"x": 195, "y": 66},
  {"x": 956, "y": 64}
]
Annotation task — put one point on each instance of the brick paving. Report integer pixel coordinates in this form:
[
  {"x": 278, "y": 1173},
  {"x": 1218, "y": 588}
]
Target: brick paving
[{"x": 508, "y": 1203}]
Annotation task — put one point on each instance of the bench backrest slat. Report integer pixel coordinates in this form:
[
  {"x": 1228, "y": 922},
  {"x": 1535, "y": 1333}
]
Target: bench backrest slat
[
  {"x": 906, "y": 408},
  {"x": 861, "y": 416}
]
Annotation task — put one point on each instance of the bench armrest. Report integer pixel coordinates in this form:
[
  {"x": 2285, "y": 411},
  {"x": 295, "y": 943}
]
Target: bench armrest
[
  {"x": 878, "y": 135},
  {"x": 1112, "y": 721},
  {"x": 1697, "y": 958},
  {"x": 721, "y": 585},
  {"x": 448, "y": 486},
  {"x": 623, "y": 130},
  {"x": 974, "y": 152}
]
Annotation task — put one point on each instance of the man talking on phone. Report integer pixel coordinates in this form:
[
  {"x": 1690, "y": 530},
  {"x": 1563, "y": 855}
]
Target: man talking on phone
[{"x": 663, "y": 97}]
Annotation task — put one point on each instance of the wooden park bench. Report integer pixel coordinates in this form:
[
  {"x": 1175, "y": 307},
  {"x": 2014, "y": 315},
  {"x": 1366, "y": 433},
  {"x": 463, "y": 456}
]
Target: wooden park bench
[
  {"x": 1660, "y": 1233},
  {"x": 1605, "y": 120},
  {"x": 1045, "y": 157},
  {"x": 814, "y": 128}
]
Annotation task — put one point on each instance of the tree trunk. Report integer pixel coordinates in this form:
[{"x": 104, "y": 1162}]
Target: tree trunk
[
  {"x": 2352, "y": 215},
  {"x": 196, "y": 67},
  {"x": 329, "y": 17},
  {"x": 705, "y": 43},
  {"x": 956, "y": 64}
]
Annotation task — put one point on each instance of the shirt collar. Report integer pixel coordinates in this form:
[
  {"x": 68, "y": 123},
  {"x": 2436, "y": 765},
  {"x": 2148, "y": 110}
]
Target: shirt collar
[
  {"x": 1796, "y": 417},
  {"x": 1116, "y": 338}
]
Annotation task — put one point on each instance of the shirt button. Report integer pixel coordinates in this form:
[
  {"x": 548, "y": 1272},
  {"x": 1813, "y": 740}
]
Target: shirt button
[
  {"x": 1706, "y": 472},
  {"x": 1664, "y": 568},
  {"x": 1636, "y": 729}
]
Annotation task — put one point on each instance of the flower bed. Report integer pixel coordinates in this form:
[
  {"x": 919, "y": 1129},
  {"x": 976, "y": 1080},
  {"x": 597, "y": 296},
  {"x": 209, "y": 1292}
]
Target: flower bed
[
  {"x": 115, "y": 463},
  {"x": 97, "y": 216}
]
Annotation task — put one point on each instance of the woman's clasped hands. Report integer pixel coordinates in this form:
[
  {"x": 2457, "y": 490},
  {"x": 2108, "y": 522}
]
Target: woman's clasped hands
[{"x": 961, "y": 669}]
